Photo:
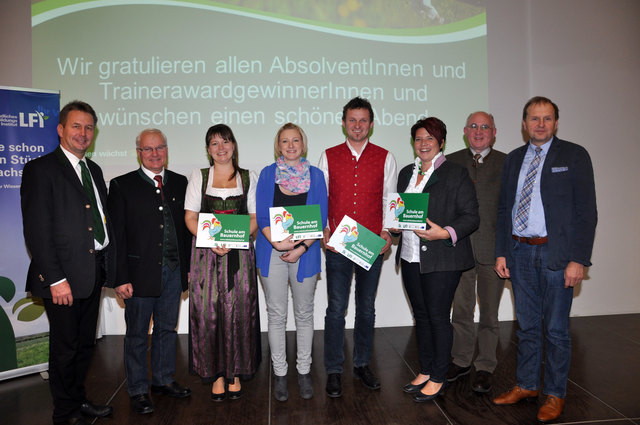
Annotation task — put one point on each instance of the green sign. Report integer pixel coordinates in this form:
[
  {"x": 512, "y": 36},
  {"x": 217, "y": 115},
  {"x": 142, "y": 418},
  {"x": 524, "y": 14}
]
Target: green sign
[
  {"x": 223, "y": 230},
  {"x": 406, "y": 211},
  {"x": 356, "y": 242},
  {"x": 303, "y": 222}
]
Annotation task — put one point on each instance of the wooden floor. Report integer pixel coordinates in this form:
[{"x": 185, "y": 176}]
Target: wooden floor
[{"x": 605, "y": 367}]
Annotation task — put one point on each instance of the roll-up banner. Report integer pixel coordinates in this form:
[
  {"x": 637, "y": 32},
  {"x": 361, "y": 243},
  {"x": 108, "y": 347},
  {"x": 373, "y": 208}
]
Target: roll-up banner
[{"x": 28, "y": 121}]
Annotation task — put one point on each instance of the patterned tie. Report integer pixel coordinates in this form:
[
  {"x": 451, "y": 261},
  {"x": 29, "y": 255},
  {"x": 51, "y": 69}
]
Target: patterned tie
[
  {"x": 158, "y": 178},
  {"x": 98, "y": 227},
  {"x": 522, "y": 213},
  {"x": 476, "y": 164},
  {"x": 476, "y": 159}
]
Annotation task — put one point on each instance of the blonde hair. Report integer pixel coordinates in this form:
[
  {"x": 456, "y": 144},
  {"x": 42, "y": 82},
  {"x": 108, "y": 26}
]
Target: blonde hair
[{"x": 289, "y": 126}]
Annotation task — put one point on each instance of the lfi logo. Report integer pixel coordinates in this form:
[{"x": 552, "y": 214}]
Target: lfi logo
[{"x": 34, "y": 119}]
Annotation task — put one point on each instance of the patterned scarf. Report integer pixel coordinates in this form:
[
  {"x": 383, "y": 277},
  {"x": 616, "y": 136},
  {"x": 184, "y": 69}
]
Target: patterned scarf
[{"x": 296, "y": 179}]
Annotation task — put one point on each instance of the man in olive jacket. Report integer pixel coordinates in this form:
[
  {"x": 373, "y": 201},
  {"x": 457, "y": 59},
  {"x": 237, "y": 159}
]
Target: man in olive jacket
[{"x": 485, "y": 168}]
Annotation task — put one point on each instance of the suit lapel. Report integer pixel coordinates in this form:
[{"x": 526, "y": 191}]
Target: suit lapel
[
  {"x": 432, "y": 180},
  {"x": 550, "y": 159},
  {"x": 519, "y": 160},
  {"x": 99, "y": 182},
  {"x": 512, "y": 183},
  {"x": 469, "y": 156},
  {"x": 434, "y": 176},
  {"x": 69, "y": 173},
  {"x": 487, "y": 158}
]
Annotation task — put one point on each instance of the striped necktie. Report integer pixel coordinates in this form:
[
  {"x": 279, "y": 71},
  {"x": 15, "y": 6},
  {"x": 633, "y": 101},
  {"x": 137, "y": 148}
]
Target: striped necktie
[{"x": 522, "y": 213}]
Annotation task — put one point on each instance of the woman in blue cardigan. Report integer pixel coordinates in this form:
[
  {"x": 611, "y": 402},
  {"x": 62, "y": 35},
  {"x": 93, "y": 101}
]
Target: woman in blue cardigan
[{"x": 290, "y": 181}]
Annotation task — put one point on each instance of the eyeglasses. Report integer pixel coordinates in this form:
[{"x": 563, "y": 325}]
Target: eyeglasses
[
  {"x": 483, "y": 127},
  {"x": 148, "y": 150}
]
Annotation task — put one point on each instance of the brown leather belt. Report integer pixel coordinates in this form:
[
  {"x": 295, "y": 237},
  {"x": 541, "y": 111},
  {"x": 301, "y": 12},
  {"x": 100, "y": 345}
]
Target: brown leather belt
[{"x": 531, "y": 241}]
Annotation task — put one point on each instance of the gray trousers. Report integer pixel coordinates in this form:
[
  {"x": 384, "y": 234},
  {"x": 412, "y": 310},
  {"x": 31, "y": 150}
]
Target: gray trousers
[
  {"x": 489, "y": 290},
  {"x": 281, "y": 274}
]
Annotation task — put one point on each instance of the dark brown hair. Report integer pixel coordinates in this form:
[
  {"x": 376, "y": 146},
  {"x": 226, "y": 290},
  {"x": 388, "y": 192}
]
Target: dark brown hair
[
  {"x": 357, "y": 103},
  {"x": 76, "y": 105},
  {"x": 540, "y": 100},
  {"x": 225, "y": 133},
  {"x": 434, "y": 127}
]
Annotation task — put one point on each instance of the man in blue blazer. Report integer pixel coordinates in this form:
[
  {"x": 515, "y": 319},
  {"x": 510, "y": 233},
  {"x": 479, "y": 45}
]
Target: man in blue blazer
[
  {"x": 69, "y": 236},
  {"x": 154, "y": 248},
  {"x": 546, "y": 226}
]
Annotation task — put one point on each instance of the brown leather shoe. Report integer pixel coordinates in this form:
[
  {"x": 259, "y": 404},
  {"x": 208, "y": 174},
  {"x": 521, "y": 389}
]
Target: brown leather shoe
[
  {"x": 551, "y": 409},
  {"x": 514, "y": 395}
]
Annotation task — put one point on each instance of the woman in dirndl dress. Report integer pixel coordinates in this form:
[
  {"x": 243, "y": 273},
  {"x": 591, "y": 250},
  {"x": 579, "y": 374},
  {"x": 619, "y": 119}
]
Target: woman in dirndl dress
[{"x": 223, "y": 296}]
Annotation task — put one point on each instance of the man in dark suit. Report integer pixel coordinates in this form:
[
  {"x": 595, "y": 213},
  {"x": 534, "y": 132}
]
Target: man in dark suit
[
  {"x": 546, "y": 226},
  {"x": 485, "y": 168},
  {"x": 68, "y": 234},
  {"x": 147, "y": 209}
]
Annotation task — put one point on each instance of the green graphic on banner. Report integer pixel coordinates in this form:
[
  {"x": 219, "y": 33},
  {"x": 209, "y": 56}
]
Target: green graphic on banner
[{"x": 302, "y": 221}]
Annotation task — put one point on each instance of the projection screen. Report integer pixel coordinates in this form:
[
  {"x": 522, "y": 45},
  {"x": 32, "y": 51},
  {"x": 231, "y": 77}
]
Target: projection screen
[{"x": 182, "y": 66}]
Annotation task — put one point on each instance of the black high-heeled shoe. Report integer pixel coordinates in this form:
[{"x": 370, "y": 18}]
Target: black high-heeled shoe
[
  {"x": 234, "y": 395},
  {"x": 218, "y": 397},
  {"x": 414, "y": 388},
  {"x": 419, "y": 397}
]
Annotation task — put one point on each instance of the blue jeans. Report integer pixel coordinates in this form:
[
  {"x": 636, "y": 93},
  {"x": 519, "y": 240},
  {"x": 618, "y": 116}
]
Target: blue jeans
[
  {"x": 431, "y": 295},
  {"x": 542, "y": 304},
  {"x": 339, "y": 273},
  {"x": 137, "y": 314}
]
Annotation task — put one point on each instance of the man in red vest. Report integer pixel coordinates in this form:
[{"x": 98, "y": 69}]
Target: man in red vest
[{"x": 359, "y": 175}]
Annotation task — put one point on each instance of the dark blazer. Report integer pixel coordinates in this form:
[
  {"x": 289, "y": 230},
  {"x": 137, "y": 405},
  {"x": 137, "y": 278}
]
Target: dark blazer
[
  {"x": 486, "y": 178},
  {"x": 452, "y": 202},
  {"x": 568, "y": 197},
  {"x": 136, "y": 206},
  {"x": 58, "y": 225}
]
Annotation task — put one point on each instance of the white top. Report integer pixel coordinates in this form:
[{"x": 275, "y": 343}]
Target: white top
[
  {"x": 411, "y": 241},
  {"x": 193, "y": 197}
]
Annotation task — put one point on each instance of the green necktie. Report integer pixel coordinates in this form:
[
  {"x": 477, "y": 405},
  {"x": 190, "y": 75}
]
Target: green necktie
[{"x": 98, "y": 227}]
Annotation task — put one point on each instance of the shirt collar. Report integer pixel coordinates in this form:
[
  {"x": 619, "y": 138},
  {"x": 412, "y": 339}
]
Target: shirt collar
[
  {"x": 483, "y": 154},
  {"x": 435, "y": 162},
  {"x": 74, "y": 160},
  {"x": 545, "y": 146},
  {"x": 353, "y": 151},
  {"x": 150, "y": 173}
]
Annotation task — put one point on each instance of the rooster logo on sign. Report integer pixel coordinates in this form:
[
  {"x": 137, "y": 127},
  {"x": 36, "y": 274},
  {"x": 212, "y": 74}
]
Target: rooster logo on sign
[
  {"x": 285, "y": 218},
  {"x": 214, "y": 227},
  {"x": 398, "y": 205},
  {"x": 351, "y": 234}
]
